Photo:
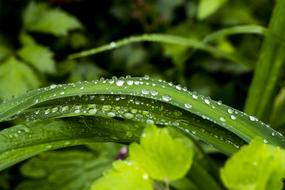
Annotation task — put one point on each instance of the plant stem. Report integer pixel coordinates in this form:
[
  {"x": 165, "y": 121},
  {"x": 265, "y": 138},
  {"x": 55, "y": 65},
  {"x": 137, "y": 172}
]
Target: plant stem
[{"x": 269, "y": 67}]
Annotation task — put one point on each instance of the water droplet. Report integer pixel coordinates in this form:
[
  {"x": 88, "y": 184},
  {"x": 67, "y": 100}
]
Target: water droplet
[
  {"x": 230, "y": 111},
  {"x": 188, "y": 106},
  {"x": 64, "y": 108},
  {"x": 222, "y": 119},
  {"x": 233, "y": 117},
  {"x": 128, "y": 115},
  {"x": 146, "y": 77},
  {"x": 130, "y": 82},
  {"x": 166, "y": 98},
  {"x": 77, "y": 111},
  {"x": 149, "y": 121},
  {"x": 178, "y": 87},
  {"x": 145, "y": 92},
  {"x": 54, "y": 109},
  {"x": 62, "y": 93},
  {"x": 113, "y": 44},
  {"x": 153, "y": 93},
  {"x": 120, "y": 82},
  {"x": 47, "y": 111},
  {"x": 194, "y": 96},
  {"x": 252, "y": 118},
  {"x": 265, "y": 141},
  {"x": 207, "y": 101},
  {"x": 111, "y": 114},
  {"x": 92, "y": 111},
  {"x": 52, "y": 86}
]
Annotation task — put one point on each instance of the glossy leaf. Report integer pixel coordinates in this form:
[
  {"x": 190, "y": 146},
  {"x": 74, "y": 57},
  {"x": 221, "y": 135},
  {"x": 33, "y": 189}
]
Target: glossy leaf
[
  {"x": 163, "y": 157},
  {"x": 124, "y": 175},
  {"x": 257, "y": 166}
]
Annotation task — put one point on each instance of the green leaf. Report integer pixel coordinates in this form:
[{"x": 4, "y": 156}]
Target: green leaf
[
  {"x": 39, "y": 17},
  {"x": 16, "y": 78},
  {"x": 124, "y": 175},
  {"x": 24, "y": 141},
  {"x": 208, "y": 7},
  {"x": 257, "y": 166},
  {"x": 65, "y": 170},
  {"x": 38, "y": 56},
  {"x": 163, "y": 157}
]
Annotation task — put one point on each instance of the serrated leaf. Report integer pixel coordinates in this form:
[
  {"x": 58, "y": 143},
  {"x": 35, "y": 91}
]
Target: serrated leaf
[
  {"x": 38, "y": 56},
  {"x": 257, "y": 166},
  {"x": 208, "y": 7},
  {"x": 39, "y": 17},
  {"x": 65, "y": 170},
  {"x": 16, "y": 78},
  {"x": 124, "y": 175},
  {"x": 163, "y": 157}
]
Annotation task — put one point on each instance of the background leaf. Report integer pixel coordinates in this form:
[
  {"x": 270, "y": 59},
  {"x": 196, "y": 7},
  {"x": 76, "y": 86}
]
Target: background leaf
[
  {"x": 208, "y": 7},
  {"x": 65, "y": 170},
  {"x": 16, "y": 78},
  {"x": 38, "y": 56},
  {"x": 39, "y": 17}
]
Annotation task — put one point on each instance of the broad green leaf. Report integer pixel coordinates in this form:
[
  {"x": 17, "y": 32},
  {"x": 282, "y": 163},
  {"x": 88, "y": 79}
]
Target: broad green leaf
[
  {"x": 38, "y": 56},
  {"x": 163, "y": 157},
  {"x": 4, "y": 51},
  {"x": 257, "y": 166},
  {"x": 26, "y": 140},
  {"x": 26, "y": 39},
  {"x": 16, "y": 78},
  {"x": 124, "y": 175},
  {"x": 65, "y": 170},
  {"x": 208, "y": 7},
  {"x": 39, "y": 17}
]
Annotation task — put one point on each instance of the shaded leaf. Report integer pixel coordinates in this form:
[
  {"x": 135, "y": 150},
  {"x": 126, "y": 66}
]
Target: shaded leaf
[
  {"x": 208, "y": 7},
  {"x": 161, "y": 156},
  {"x": 39, "y": 17},
  {"x": 16, "y": 78},
  {"x": 39, "y": 56},
  {"x": 65, "y": 170}
]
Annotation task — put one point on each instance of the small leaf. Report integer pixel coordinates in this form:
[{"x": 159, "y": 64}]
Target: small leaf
[
  {"x": 161, "y": 156},
  {"x": 39, "y": 17},
  {"x": 257, "y": 166},
  {"x": 208, "y": 7},
  {"x": 16, "y": 78},
  {"x": 39, "y": 56},
  {"x": 124, "y": 175}
]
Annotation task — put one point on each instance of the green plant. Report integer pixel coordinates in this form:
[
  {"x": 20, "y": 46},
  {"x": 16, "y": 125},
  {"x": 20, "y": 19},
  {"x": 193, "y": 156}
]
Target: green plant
[{"x": 122, "y": 110}]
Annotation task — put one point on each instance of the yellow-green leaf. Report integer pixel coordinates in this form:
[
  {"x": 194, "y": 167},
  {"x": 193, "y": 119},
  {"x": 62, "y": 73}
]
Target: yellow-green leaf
[{"x": 163, "y": 157}]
